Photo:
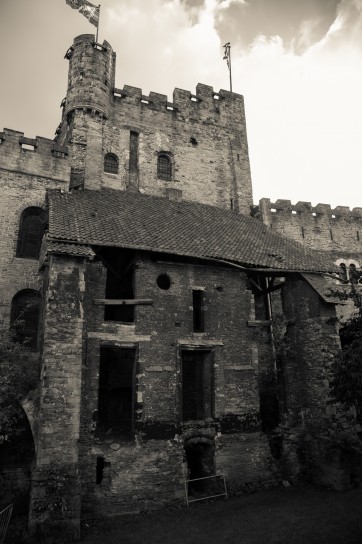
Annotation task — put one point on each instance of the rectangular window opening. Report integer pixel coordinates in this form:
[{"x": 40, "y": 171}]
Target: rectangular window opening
[
  {"x": 119, "y": 284},
  {"x": 198, "y": 310},
  {"x": 28, "y": 147},
  {"x": 116, "y": 395},
  {"x": 197, "y": 385}
]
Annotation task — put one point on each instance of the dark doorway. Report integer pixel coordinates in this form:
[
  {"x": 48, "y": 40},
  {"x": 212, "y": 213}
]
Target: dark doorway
[
  {"x": 200, "y": 463},
  {"x": 197, "y": 384},
  {"x": 116, "y": 391}
]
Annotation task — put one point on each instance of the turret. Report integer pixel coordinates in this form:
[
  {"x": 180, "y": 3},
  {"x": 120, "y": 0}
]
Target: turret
[{"x": 91, "y": 76}]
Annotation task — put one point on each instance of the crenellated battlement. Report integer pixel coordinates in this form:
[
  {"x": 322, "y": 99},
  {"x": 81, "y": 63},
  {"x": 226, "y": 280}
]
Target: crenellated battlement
[
  {"x": 285, "y": 206},
  {"x": 206, "y": 104},
  {"x": 319, "y": 227},
  {"x": 36, "y": 156}
]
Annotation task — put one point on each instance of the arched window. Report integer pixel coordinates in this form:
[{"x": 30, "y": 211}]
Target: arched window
[
  {"x": 111, "y": 163},
  {"x": 164, "y": 167},
  {"x": 24, "y": 318},
  {"x": 31, "y": 232}
]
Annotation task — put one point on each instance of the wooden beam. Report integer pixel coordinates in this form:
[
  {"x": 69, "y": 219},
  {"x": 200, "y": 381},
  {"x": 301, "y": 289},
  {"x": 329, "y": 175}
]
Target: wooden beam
[
  {"x": 260, "y": 323},
  {"x": 122, "y": 302}
]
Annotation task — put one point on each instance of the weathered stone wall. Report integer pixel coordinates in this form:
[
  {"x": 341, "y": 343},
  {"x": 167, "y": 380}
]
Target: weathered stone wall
[
  {"x": 318, "y": 227},
  {"x": 151, "y": 468},
  {"x": 55, "y": 498},
  {"x": 24, "y": 177},
  {"x": 311, "y": 342}
]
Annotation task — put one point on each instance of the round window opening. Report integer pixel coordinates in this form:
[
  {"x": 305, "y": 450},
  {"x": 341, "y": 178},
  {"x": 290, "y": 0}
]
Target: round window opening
[{"x": 164, "y": 282}]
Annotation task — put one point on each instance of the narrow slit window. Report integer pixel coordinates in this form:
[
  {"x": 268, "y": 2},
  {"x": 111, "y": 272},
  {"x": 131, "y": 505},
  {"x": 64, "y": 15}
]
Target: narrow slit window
[
  {"x": 198, "y": 310},
  {"x": 133, "y": 152}
]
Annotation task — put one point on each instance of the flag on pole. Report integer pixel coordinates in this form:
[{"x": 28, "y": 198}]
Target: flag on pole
[
  {"x": 90, "y": 11},
  {"x": 227, "y": 57},
  {"x": 227, "y": 54}
]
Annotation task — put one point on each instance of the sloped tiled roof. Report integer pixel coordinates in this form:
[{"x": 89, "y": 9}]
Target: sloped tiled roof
[
  {"x": 77, "y": 250},
  {"x": 329, "y": 288},
  {"x": 133, "y": 220}
]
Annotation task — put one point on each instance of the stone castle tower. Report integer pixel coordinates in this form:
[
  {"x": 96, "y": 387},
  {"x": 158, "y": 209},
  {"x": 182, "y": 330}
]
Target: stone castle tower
[{"x": 193, "y": 148}]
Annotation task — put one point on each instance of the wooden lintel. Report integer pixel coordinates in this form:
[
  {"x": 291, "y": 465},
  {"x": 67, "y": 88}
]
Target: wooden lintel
[
  {"x": 260, "y": 323},
  {"x": 122, "y": 302}
]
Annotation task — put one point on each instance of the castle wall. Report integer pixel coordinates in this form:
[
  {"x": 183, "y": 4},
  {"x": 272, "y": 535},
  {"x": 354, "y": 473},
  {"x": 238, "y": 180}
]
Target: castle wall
[
  {"x": 318, "y": 227},
  {"x": 25, "y": 175}
]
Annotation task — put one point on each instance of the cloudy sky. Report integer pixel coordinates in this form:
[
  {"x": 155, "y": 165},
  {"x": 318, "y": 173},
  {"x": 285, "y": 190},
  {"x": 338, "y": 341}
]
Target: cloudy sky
[{"x": 298, "y": 64}]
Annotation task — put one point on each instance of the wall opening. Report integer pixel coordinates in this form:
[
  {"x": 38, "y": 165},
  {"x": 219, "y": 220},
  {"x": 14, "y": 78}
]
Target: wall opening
[
  {"x": 133, "y": 151},
  {"x": 116, "y": 396},
  {"x": 164, "y": 282},
  {"x": 197, "y": 385},
  {"x": 110, "y": 163},
  {"x": 24, "y": 317},
  {"x": 31, "y": 232},
  {"x": 200, "y": 464},
  {"x": 198, "y": 310},
  {"x": 119, "y": 284},
  {"x": 164, "y": 167},
  {"x": 99, "y": 470}
]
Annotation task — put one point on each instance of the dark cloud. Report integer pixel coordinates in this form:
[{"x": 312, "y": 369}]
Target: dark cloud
[
  {"x": 193, "y": 8},
  {"x": 299, "y": 23}
]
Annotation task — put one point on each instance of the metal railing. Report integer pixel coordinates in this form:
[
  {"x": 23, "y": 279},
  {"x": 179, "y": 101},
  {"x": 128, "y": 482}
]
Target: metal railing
[
  {"x": 223, "y": 494},
  {"x": 5, "y": 516}
]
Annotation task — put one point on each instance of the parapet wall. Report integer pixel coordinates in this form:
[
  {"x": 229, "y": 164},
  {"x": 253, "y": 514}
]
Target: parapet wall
[
  {"x": 206, "y": 105},
  {"x": 318, "y": 227},
  {"x": 35, "y": 156}
]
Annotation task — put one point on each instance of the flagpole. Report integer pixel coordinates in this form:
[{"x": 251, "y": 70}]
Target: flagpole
[
  {"x": 231, "y": 84},
  {"x": 99, "y": 17},
  {"x": 227, "y": 57}
]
